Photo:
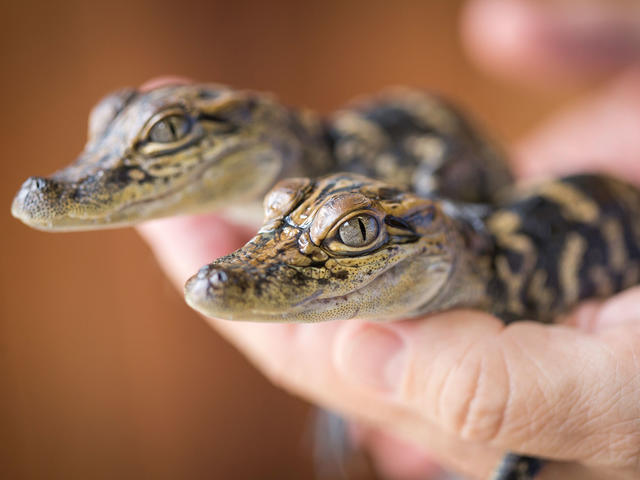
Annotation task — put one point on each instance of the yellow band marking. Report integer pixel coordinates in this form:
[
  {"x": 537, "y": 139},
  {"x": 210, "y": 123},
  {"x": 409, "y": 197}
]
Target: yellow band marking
[
  {"x": 569, "y": 266},
  {"x": 574, "y": 204}
]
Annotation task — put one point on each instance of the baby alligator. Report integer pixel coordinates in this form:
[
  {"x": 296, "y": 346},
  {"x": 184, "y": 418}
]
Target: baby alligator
[
  {"x": 183, "y": 148},
  {"x": 347, "y": 246}
]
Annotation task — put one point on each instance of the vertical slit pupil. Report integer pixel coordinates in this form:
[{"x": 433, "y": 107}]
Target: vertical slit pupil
[
  {"x": 172, "y": 128},
  {"x": 363, "y": 229}
]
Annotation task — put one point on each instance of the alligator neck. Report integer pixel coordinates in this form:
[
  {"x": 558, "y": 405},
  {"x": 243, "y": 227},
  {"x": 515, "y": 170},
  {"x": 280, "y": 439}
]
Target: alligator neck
[
  {"x": 471, "y": 268},
  {"x": 305, "y": 145}
]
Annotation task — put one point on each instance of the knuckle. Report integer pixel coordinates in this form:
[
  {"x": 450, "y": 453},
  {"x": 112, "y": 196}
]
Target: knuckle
[{"x": 474, "y": 400}]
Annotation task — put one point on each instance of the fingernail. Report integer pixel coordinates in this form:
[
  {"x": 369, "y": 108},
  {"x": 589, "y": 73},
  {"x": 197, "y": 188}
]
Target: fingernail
[{"x": 373, "y": 357}]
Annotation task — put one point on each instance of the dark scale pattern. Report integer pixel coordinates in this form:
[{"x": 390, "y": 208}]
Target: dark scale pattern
[
  {"x": 517, "y": 467},
  {"x": 396, "y": 121},
  {"x": 420, "y": 142},
  {"x": 564, "y": 249}
]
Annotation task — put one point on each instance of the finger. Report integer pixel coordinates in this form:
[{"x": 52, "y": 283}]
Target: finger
[
  {"x": 164, "y": 80},
  {"x": 547, "y": 42},
  {"x": 600, "y": 134},
  {"x": 184, "y": 244},
  {"x": 620, "y": 311},
  {"x": 548, "y": 391}
]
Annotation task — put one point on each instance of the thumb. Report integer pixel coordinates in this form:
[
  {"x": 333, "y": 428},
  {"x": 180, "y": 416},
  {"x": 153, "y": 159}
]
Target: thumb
[{"x": 548, "y": 391}]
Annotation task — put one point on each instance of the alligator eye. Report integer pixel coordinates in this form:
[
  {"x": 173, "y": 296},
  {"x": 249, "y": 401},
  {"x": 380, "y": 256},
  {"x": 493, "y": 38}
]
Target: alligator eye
[
  {"x": 359, "y": 231},
  {"x": 169, "y": 129}
]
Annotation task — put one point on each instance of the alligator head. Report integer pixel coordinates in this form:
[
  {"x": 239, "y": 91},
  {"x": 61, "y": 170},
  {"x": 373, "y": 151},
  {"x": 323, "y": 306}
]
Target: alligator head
[
  {"x": 175, "y": 148},
  {"x": 336, "y": 248}
]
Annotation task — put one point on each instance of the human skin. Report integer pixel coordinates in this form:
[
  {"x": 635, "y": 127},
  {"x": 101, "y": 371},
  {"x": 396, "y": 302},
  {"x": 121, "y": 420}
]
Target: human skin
[
  {"x": 460, "y": 384},
  {"x": 552, "y": 43}
]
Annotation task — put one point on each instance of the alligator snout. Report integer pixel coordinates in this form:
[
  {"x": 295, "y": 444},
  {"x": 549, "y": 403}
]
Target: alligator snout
[
  {"x": 220, "y": 279},
  {"x": 221, "y": 289},
  {"x": 254, "y": 283},
  {"x": 37, "y": 184},
  {"x": 38, "y": 201},
  {"x": 209, "y": 277}
]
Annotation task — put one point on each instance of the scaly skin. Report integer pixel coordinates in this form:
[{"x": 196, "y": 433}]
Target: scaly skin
[
  {"x": 217, "y": 147},
  {"x": 189, "y": 147},
  {"x": 347, "y": 246},
  {"x": 298, "y": 270}
]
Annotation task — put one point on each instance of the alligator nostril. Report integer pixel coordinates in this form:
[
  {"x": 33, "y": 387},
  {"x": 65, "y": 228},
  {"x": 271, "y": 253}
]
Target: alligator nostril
[
  {"x": 36, "y": 183},
  {"x": 217, "y": 278}
]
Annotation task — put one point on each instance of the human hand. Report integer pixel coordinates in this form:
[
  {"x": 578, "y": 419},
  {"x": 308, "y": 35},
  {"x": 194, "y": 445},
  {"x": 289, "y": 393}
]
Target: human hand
[
  {"x": 567, "y": 392},
  {"x": 460, "y": 382}
]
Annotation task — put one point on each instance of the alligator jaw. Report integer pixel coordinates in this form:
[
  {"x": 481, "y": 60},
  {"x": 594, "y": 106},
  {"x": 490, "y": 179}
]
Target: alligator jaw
[{"x": 386, "y": 297}]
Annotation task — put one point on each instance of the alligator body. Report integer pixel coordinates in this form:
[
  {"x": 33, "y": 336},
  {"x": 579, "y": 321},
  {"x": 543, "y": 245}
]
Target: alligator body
[{"x": 347, "y": 246}]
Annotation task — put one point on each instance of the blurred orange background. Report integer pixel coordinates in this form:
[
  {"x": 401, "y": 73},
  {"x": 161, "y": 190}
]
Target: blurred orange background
[{"x": 104, "y": 371}]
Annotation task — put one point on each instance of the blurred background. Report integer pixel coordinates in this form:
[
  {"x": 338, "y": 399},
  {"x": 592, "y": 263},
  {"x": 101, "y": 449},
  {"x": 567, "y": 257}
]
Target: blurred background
[{"x": 104, "y": 371}]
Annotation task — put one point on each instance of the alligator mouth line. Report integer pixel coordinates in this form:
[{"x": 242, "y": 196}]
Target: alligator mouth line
[
  {"x": 315, "y": 309},
  {"x": 307, "y": 304},
  {"x": 193, "y": 178},
  {"x": 308, "y": 299},
  {"x": 87, "y": 222},
  {"x": 103, "y": 221}
]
